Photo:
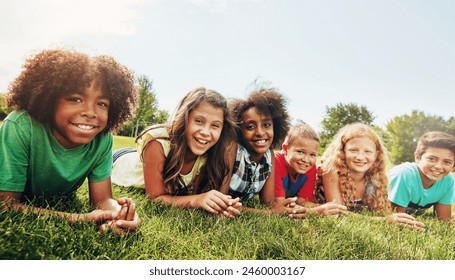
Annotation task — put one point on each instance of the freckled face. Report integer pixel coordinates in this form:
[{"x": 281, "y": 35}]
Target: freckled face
[
  {"x": 360, "y": 154},
  {"x": 301, "y": 155},
  {"x": 79, "y": 117},
  {"x": 434, "y": 164},
  {"x": 257, "y": 132},
  {"x": 204, "y": 127}
]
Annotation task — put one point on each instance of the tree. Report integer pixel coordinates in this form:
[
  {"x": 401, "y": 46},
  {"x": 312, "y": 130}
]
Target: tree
[
  {"x": 340, "y": 115},
  {"x": 161, "y": 116},
  {"x": 405, "y": 130},
  {"x": 147, "y": 112},
  {"x": 451, "y": 125}
]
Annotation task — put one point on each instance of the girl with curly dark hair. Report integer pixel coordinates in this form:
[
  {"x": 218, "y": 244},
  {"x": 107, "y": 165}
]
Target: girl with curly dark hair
[
  {"x": 184, "y": 163},
  {"x": 66, "y": 103},
  {"x": 263, "y": 122}
]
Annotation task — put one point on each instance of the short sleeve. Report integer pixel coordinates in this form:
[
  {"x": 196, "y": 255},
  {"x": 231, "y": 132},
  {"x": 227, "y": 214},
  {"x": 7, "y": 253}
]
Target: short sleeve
[
  {"x": 448, "y": 184},
  {"x": 399, "y": 186},
  {"x": 15, "y": 135},
  {"x": 103, "y": 167},
  {"x": 307, "y": 191},
  {"x": 280, "y": 173}
]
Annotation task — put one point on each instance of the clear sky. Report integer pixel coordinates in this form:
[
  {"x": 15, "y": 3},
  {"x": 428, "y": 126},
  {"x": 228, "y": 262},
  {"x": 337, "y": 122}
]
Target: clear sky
[{"x": 392, "y": 56}]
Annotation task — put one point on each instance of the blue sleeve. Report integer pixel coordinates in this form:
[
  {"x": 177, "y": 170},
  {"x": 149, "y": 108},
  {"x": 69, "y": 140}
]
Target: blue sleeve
[
  {"x": 400, "y": 186},
  {"x": 449, "y": 194}
]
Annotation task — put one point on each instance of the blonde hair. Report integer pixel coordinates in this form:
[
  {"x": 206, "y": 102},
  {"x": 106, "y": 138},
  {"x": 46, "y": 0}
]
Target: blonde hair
[
  {"x": 299, "y": 131},
  {"x": 334, "y": 161}
]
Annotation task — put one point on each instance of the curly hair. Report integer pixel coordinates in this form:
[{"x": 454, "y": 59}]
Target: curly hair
[
  {"x": 333, "y": 160},
  {"x": 216, "y": 168},
  {"x": 268, "y": 101},
  {"x": 50, "y": 74}
]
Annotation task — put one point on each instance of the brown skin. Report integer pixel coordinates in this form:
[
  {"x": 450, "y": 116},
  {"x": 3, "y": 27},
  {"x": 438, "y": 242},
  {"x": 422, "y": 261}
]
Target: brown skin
[
  {"x": 213, "y": 201},
  {"x": 286, "y": 206},
  {"x": 432, "y": 160},
  {"x": 89, "y": 96},
  {"x": 107, "y": 209}
]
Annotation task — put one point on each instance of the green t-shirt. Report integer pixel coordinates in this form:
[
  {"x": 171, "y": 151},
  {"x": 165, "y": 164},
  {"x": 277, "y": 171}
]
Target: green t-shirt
[{"x": 34, "y": 163}]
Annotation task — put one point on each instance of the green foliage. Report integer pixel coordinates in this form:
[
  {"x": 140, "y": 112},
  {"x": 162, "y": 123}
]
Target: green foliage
[
  {"x": 340, "y": 115},
  {"x": 123, "y": 141},
  {"x": 147, "y": 112},
  {"x": 4, "y": 109},
  {"x": 161, "y": 116},
  {"x": 405, "y": 130}
]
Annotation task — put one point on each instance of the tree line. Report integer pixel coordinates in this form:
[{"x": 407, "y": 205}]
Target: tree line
[{"x": 400, "y": 134}]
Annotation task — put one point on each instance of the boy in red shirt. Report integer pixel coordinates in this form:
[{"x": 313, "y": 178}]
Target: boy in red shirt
[{"x": 295, "y": 169}]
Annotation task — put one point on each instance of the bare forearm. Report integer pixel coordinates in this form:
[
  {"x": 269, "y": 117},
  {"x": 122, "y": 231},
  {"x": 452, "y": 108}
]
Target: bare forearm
[
  {"x": 108, "y": 204},
  {"x": 72, "y": 217},
  {"x": 187, "y": 201}
]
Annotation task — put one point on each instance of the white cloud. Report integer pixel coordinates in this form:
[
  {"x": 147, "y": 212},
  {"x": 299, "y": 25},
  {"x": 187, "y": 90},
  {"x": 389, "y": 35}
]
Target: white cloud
[
  {"x": 26, "y": 26},
  {"x": 213, "y": 6},
  {"x": 52, "y": 18}
]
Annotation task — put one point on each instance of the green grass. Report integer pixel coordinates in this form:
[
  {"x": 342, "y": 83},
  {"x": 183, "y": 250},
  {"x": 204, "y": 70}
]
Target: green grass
[
  {"x": 123, "y": 141},
  {"x": 169, "y": 233}
]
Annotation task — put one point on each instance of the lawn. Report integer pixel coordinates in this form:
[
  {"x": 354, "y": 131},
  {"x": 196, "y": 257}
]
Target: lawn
[
  {"x": 173, "y": 234},
  {"x": 123, "y": 141}
]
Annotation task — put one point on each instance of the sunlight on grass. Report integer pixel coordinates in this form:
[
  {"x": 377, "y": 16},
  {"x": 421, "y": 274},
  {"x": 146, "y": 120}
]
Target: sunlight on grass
[
  {"x": 123, "y": 141},
  {"x": 170, "y": 233}
]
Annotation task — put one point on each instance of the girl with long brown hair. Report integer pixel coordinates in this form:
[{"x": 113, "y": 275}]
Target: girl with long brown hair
[{"x": 184, "y": 163}]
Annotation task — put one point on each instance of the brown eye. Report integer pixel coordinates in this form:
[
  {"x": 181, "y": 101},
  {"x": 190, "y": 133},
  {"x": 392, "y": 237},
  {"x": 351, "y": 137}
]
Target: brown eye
[{"x": 250, "y": 127}]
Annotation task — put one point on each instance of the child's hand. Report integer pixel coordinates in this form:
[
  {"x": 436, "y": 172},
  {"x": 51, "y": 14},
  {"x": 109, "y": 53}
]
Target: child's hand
[
  {"x": 216, "y": 202},
  {"x": 127, "y": 218},
  {"x": 287, "y": 206},
  {"x": 98, "y": 216},
  {"x": 298, "y": 212},
  {"x": 233, "y": 208},
  {"x": 404, "y": 219},
  {"x": 328, "y": 209}
]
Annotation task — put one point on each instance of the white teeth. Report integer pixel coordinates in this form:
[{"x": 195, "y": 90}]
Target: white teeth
[
  {"x": 261, "y": 141},
  {"x": 202, "y": 141},
  {"x": 85, "y": 127}
]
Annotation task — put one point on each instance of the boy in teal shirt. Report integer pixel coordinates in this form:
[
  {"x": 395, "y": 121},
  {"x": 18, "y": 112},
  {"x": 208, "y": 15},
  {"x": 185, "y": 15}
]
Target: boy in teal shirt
[{"x": 428, "y": 181}]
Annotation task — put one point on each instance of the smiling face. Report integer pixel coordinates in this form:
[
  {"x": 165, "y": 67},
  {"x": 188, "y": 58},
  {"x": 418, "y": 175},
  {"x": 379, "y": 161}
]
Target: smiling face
[
  {"x": 434, "y": 164},
  {"x": 79, "y": 117},
  {"x": 257, "y": 132},
  {"x": 204, "y": 127},
  {"x": 301, "y": 155},
  {"x": 360, "y": 153}
]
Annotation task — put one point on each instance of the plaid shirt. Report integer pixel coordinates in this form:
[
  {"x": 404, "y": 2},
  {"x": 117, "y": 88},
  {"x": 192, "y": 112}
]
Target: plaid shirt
[{"x": 248, "y": 177}]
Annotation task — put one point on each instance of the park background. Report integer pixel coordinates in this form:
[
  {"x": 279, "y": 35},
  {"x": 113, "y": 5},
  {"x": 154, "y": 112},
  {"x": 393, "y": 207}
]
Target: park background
[{"x": 386, "y": 63}]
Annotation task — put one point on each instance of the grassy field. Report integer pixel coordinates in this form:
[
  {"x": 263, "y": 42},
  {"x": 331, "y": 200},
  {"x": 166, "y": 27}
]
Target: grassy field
[
  {"x": 168, "y": 233},
  {"x": 123, "y": 141}
]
